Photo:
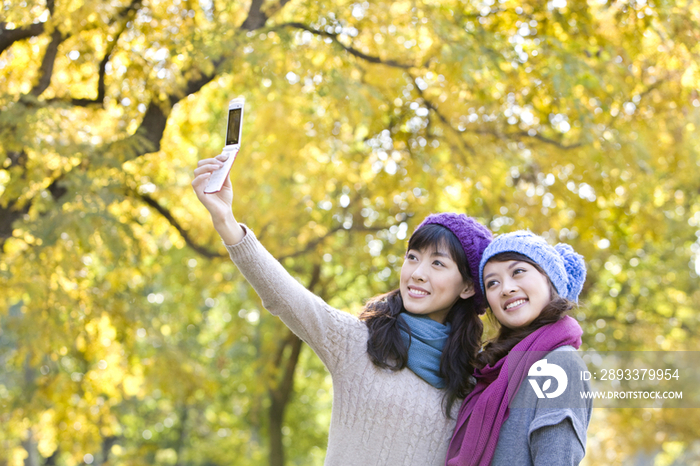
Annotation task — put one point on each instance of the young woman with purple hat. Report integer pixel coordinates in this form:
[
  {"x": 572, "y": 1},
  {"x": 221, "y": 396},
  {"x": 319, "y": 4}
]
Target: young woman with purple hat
[
  {"x": 505, "y": 421},
  {"x": 400, "y": 367}
]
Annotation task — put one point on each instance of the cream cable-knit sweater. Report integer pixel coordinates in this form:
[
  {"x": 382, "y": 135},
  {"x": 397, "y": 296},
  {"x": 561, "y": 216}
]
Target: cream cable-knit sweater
[{"x": 379, "y": 417}]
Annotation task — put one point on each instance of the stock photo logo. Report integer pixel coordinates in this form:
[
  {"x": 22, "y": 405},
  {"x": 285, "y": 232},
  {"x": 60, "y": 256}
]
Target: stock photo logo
[{"x": 544, "y": 369}]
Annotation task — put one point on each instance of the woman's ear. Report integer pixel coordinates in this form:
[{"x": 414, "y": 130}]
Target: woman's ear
[{"x": 468, "y": 291}]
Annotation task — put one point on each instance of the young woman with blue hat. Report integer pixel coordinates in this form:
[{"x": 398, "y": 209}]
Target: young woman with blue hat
[
  {"x": 529, "y": 286},
  {"x": 400, "y": 367}
]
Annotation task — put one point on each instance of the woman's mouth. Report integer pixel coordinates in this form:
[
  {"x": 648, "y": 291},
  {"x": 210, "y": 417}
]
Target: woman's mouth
[
  {"x": 514, "y": 304},
  {"x": 417, "y": 292}
]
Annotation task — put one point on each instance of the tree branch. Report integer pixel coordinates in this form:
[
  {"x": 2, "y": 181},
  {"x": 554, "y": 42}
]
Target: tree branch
[
  {"x": 183, "y": 233},
  {"x": 10, "y": 36},
  {"x": 124, "y": 15},
  {"x": 464, "y": 147},
  {"x": 319, "y": 239},
  {"x": 8, "y": 215},
  {"x": 256, "y": 17},
  {"x": 311, "y": 244},
  {"x": 213, "y": 254},
  {"x": 351, "y": 50},
  {"x": 46, "y": 70},
  {"x": 512, "y": 135},
  {"x": 152, "y": 128},
  {"x": 152, "y": 125},
  {"x": 516, "y": 135},
  {"x": 11, "y": 212}
]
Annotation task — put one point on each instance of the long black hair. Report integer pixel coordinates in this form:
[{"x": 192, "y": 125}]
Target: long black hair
[
  {"x": 507, "y": 338},
  {"x": 385, "y": 346}
]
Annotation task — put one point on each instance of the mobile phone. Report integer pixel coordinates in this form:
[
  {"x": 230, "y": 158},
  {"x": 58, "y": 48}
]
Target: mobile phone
[{"x": 233, "y": 145}]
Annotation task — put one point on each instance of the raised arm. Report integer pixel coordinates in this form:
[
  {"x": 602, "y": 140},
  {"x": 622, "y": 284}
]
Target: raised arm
[{"x": 332, "y": 334}]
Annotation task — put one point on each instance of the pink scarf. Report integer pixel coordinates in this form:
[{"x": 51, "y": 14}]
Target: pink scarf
[{"x": 485, "y": 409}]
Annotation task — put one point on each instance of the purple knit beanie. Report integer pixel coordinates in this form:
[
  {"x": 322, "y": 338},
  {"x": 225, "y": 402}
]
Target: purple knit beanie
[{"x": 474, "y": 238}]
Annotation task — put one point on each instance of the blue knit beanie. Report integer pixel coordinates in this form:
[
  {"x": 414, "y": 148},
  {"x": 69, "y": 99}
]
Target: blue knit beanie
[
  {"x": 565, "y": 268},
  {"x": 472, "y": 235}
]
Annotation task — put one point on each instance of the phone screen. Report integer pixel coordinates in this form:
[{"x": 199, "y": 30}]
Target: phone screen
[{"x": 234, "y": 126}]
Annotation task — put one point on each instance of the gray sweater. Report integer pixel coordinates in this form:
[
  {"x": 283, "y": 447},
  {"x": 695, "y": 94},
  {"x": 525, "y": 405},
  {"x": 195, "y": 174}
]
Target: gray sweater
[
  {"x": 549, "y": 432},
  {"x": 379, "y": 417}
]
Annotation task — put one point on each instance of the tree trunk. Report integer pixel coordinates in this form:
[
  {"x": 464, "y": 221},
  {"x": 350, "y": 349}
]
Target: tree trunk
[
  {"x": 280, "y": 397},
  {"x": 30, "y": 446},
  {"x": 182, "y": 436}
]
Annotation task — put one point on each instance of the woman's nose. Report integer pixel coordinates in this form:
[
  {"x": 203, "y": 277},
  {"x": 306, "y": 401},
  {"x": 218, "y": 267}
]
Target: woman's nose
[
  {"x": 418, "y": 274},
  {"x": 509, "y": 287}
]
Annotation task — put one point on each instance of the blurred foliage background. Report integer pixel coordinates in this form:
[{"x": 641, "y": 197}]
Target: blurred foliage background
[{"x": 126, "y": 334}]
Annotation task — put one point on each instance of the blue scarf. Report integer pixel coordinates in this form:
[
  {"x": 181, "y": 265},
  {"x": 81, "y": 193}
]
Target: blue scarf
[{"x": 425, "y": 343}]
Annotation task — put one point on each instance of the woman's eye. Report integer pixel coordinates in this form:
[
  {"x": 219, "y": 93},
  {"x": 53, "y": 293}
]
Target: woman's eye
[
  {"x": 490, "y": 283},
  {"x": 438, "y": 263},
  {"x": 517, "y": 271}
]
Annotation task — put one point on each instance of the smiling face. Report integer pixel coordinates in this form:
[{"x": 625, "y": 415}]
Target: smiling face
[
  {"x": 516, "y": 292},
  {"x": 431, "y": 282}
]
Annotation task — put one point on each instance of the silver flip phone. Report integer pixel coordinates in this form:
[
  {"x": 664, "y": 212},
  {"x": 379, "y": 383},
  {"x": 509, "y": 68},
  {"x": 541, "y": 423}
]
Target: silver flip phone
[{"x": 233, "y": 145}]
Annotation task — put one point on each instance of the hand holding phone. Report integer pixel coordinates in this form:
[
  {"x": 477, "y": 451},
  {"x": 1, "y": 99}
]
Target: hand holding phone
[
  {"x": 218, "y": 178},
  {"x": 233, "y": 145},
  {"x": 218, "y": 204}
]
